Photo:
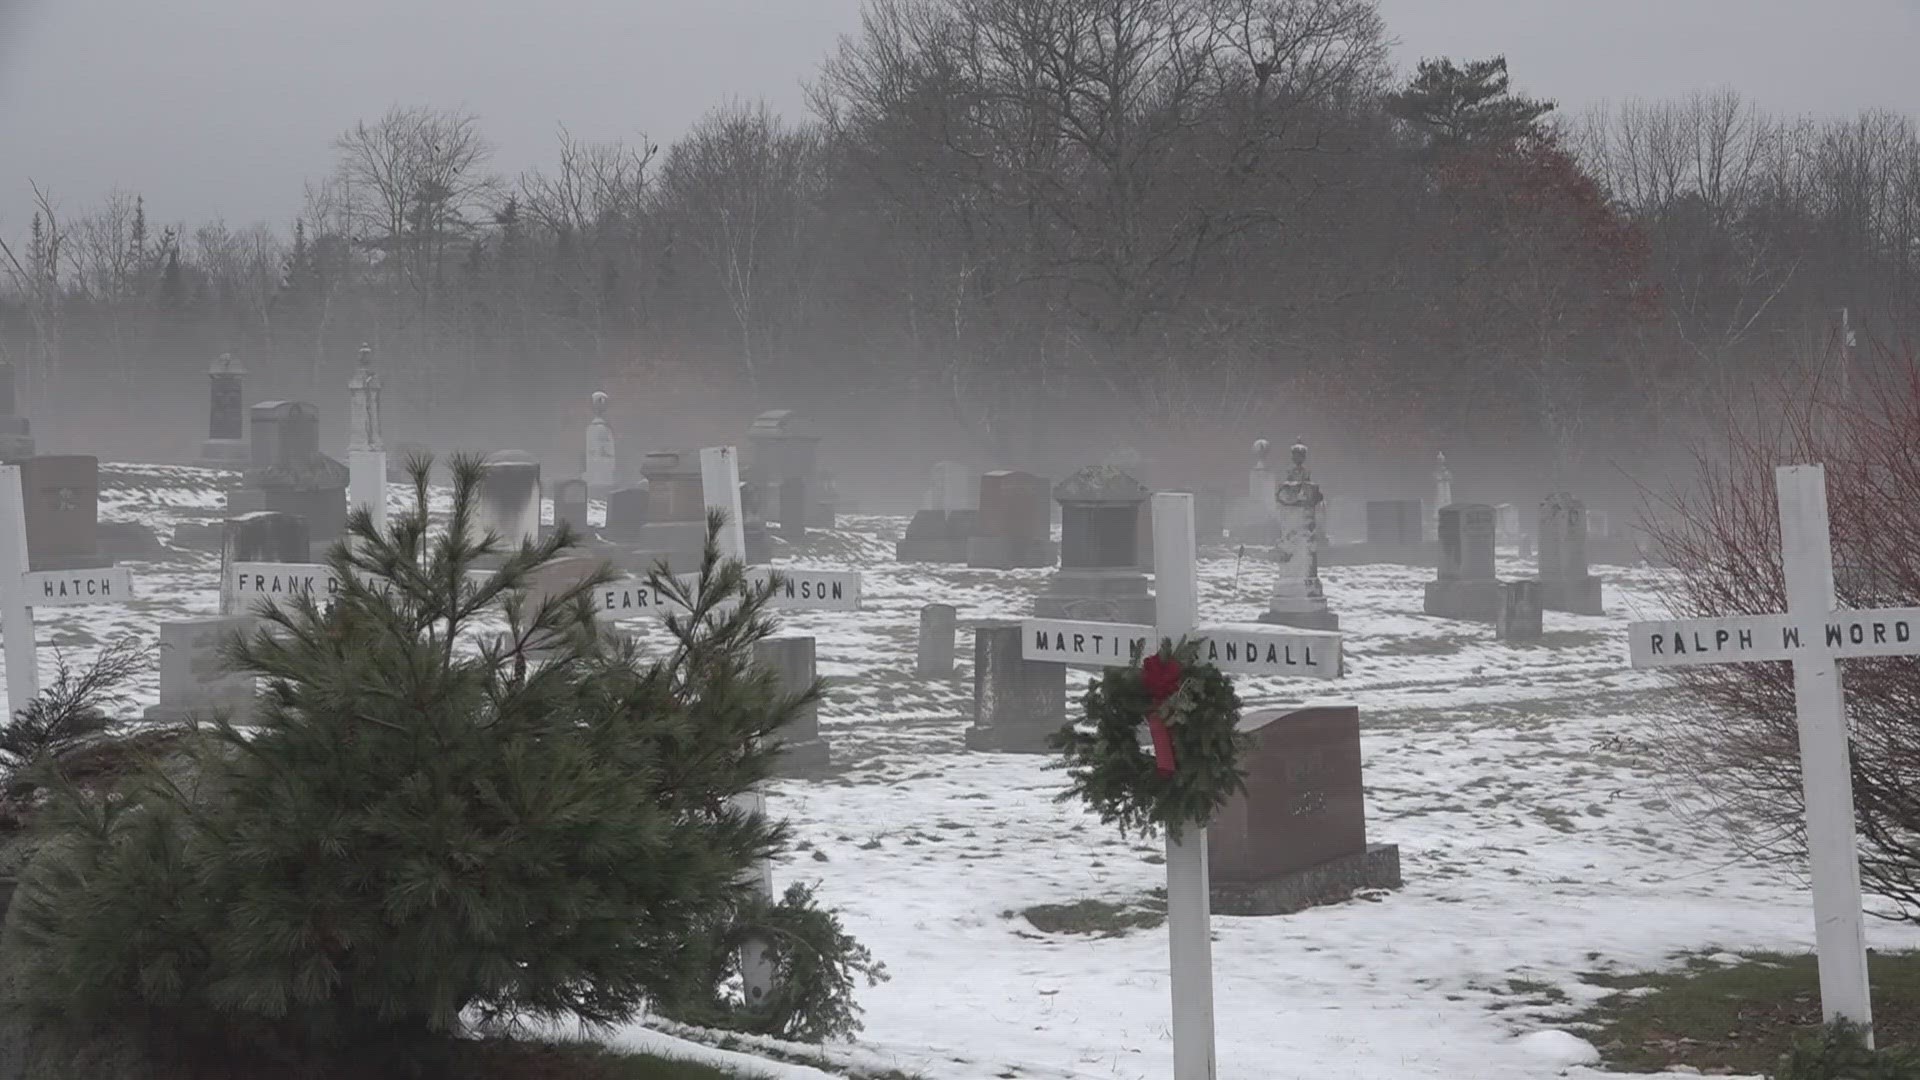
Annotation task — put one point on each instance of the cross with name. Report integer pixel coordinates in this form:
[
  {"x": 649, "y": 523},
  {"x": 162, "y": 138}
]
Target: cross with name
[
  {"x": 1236, "y": 648},
  {"x": 1814, "y": 635},
  {"x": 22, "y": 590}
]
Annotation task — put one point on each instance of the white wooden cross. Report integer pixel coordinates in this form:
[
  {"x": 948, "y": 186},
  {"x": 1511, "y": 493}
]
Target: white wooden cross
[
  {"x": 1240, "y": 648},
  {"x": 1814, "y": 635},
  {"x": 22, "y": 590}
]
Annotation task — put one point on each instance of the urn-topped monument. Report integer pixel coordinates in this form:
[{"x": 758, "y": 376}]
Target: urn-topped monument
[
  {"x": 600, "y": 463},
  {"x": 363, "y": 391},
  {"x": 1297, "y": 596},
  {"x": 1099, "y": 578}
]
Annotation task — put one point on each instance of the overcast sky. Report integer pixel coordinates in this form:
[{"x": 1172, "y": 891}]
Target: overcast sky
[{"x": 222, "y": 108}]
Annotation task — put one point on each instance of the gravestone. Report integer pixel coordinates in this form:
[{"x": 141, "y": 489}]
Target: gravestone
[
  {"x": 1565, "y": 584},
  {"x": 1015, "y": 523},
  {"x": 290, "y": 475},
  {"x": 1465, "y": 588},
  {"x": 570, "y": 507},
  {"x": 1298, "y": 599},
  {"x": 786, "y": 453},
  {"x": 1100, "y": 578},
  {"x": 931, "y": 537},
  {"x": 264, "y": 536},
  {"x": 363, "y": 397},
  {"x": 62, "y": 495},
  {"x": 792, "y": 658},
  {"x": 1442, "y": 483},
  {"x": 1506, "y": 523},
  {"x": 1209, "y": 514},
  {"x": 226, "y": 445},
  {"x": 1520, "y": 616},
  {"x": 953, "y": 487},
  {"x": 601, "y": 462},
  {"x": 1017, "y": 703},
  {"x": 676, "y": 508},
  {"x": 627, "y": 514},
  {"x": 194, "y": 679},
  {"x": 1253, "y": 516},
  {"x": 16, "y": 433},
  {"x": 1297, "y": 836},
  {"x": 508, "y": 499},
  {"x": 933, "y": 659},
  {"x": 1394, "y": 521}
]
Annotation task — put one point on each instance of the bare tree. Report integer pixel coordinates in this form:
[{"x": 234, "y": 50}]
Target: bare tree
[{"x": 413, "y": 181}]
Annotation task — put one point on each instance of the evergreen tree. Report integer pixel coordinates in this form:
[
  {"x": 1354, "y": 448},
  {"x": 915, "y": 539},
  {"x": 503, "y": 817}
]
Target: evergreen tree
[
  {"x": 1472, "y": 106},
  {"x": 458, "y": 800}
]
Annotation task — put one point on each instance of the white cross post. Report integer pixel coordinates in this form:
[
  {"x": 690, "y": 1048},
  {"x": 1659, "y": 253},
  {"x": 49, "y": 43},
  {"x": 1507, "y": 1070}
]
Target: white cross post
[
  {"x": 1814, "y": 635},
  {"x": 1245, "y": 649},
  {"x": 22, "y": 590}
]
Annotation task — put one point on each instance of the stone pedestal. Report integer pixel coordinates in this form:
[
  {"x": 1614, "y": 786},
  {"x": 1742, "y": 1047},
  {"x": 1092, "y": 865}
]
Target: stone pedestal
[
  {"x": 1565, "y": 584},
  {"x": 1297, "y": 835},
  {"x": 1018, "y": 704},
  {"x": 194, "y": 680},
  {"x": 1015, "y": 524},
  {"x": 933, "y": 658},
  {"x": 1465, "y": 588},
  {"x": 1520, "y": 616},
  {"x": 1099, "y": 579},
  {"x": 801, "y": 748}
]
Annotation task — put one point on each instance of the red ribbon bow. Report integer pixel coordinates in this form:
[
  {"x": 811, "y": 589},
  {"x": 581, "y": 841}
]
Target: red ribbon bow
[{"x": 1161, "y": 676}]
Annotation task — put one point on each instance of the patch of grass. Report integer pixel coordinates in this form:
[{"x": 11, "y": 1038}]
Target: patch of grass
[
  {"x": 1536, "y": 992},
  {"x": 1101, "y": 918},
  {"x": 1740, "y": 1017}
]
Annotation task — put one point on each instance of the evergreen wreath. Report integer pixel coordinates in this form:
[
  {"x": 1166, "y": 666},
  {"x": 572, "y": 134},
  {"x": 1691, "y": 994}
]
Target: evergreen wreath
[{"x": 1194, "y": 767}]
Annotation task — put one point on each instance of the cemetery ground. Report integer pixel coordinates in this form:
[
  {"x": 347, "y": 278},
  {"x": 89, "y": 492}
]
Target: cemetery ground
[{"x": 1548, "y": 871}]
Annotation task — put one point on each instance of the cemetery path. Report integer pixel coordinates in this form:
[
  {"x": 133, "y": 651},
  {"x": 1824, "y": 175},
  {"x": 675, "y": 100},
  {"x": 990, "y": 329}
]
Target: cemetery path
[{"x": 1536, "y": 843}]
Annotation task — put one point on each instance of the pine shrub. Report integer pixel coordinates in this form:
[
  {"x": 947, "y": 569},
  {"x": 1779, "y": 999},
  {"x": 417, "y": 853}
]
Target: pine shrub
[
  {"x": 459, "y": 805},
  {"x": 1840, "y": 1053}
]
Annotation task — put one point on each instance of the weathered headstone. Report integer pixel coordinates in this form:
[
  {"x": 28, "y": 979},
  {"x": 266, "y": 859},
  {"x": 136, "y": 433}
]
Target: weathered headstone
[
  {"x": 1520, "y": 615},
  {"x": 1297, "y": 836},
  {"x": 1506, "y": 523},
  {"x": 1210, "y": 514},
  {"x": 570, "y": 506},
  {"x": 953, "y": 486},
  {"x": 1253, "y": 515},
  {"x": 1099, "y": 578},
  {"x": 627, "y": 514},
  {"x": 1015, "y": 523},
  {"x": 226, "y": 445},
  {"x": 1565, "y": 584},
  {"x": 1465, "y": 588},
  {"x": 286, "y": 434},
  {"x": 1394, "y": 521},
  {"x": 933, "y": 658},
  {"x": 930, "y": 538},
  {"x": 264, "y": 536},
  {"x": 62, "y": 493},
  {"x": 509, "y": 498},
  {"x": 801, "y": 747},
  {"x": 601, "y": 461},
  {"x": 16, "y": 433},
  {"x": 1017, "y": 703},
  {"x": 676, "y": 526},
  {"x": 1442, "y": 483},
  {"x": 290, "y": 475},
  {"x": 1298, "y": 599},
  {"x": 786, "y": 461},
  {"x": 194, "y": 680}
]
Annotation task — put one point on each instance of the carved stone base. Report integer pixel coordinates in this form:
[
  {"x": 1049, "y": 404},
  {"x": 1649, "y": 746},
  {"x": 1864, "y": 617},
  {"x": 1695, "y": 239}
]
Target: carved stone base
[
  {"x": 1470, "y": 601},
  {"x": 1378, "y": 867}
]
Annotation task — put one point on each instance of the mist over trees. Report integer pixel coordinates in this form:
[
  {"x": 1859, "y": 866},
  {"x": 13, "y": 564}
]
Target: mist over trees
[{"x": 1180, "y": 211}]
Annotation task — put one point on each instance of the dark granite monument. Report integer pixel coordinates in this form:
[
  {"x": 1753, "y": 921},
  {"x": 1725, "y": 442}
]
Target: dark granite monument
[
  {"x": 62, "y": 493},
  {"x": 226, "y": 445},
  {"x": 1465, "y": 587},
  {"x": 1015, "y": 524},
  {"x": 1100, "y": 577}
]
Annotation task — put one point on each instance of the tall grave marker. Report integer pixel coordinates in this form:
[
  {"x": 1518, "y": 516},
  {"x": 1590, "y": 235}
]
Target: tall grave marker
[
  {"x": 1565, "y": 584},
  {"x": 601, "y": 464},
  {"x": 366, "y": 453},
  {"x": 1815, "y": 636},
  {"x": 1240, "y": 649},
  {"x": 1298, "y": 599},
  {"x": 226, "y": 443}
]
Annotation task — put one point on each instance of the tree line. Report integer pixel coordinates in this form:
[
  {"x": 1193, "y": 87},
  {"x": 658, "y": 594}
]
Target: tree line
[{"x": 1182, "y": 210}]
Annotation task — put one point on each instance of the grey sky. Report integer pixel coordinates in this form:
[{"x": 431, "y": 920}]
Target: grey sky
[{"x": 224, "y": 107}]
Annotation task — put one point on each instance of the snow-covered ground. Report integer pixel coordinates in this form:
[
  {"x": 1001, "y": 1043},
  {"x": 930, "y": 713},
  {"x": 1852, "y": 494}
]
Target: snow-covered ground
[{"x": 1535, "y": 843}]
